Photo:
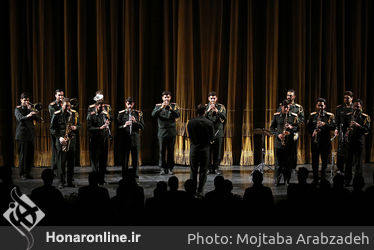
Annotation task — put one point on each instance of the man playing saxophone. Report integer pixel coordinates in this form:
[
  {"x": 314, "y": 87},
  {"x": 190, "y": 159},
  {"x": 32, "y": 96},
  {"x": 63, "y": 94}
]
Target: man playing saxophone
[
  {"x": 65, "y": 124},
  {"x": 319, "y": 125},
  {"x": 283, "y": 126},
  {"x": 356, "y": 126}
]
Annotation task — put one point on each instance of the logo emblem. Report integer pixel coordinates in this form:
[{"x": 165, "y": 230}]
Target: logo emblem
[{"x": 24, "y": 215}]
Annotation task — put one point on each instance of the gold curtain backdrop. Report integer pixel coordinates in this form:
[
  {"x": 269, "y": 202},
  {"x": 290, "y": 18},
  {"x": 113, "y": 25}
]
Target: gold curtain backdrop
[{"x": 249, "y": 52}]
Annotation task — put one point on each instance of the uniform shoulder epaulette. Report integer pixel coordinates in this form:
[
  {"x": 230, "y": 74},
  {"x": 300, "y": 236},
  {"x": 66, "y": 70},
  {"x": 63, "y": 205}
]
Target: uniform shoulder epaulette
[
  {"x": 277, "y": 113},
  {"x": 222, "y": 106},
  {"x": 294, "y": 114},
  {"x": 313, "y": 113},
  {"x": 158, "y": 104},
  {"x": 92, "y": 113},
  {"x": 121, "y": 111},
  {"x": 350, "y": 113},
  {"x": 52, "y": 103},
  {"x": 297, "y": 105},
  {"x": 139, "y": 112},
  {"x": 206, "y": 104},
  {"x": 72, "y": 110},
  {"x": 331, "y": 114},
  {"x": 92, "y": 106},
  {"x": 57, "y": 112}
]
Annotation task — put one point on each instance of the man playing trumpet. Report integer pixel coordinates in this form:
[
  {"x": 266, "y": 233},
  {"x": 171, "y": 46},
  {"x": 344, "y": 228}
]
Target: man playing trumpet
[
  {"x": 216, "y": 113},
  {"x": 25, "y": 135},
  {"x": 166, "y": 114}
]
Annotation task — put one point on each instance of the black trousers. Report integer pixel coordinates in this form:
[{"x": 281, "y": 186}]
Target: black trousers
[
  {"x": 199, "y": 161},
  {"x": 354, "y": 160},
  {"x": 341, "y": 157},
  {"x": 54, "y": 153},
  {"x": 99, "y": 148},
  {"x": 65, "y": 162},
  {"x": 322, "y": 149},
  {"x": 215, "y": 153},
  {"x": 25, "y": 156},
  {"x": 166, "y": 144},
  {"x": 131, "y": 145},
  {"x": 285, "y": 163}
]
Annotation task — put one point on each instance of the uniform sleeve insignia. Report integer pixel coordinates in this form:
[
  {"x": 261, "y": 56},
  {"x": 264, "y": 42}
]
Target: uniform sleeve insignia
[{"x": 294, "y": 114}]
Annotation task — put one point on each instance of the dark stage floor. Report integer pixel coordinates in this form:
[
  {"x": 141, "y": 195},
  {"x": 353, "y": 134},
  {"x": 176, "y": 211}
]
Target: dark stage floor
[{"x": 149, "y": 176}]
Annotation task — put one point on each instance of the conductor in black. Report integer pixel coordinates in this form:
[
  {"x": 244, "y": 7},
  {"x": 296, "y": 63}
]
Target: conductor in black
[
  {"x": 200, "y": 132},
  {"x": 130, "y": 123},
  {"x": 166, "y": 114},
  {"x": 319, "y": 125},
  {"x": 25, "y": 135}
]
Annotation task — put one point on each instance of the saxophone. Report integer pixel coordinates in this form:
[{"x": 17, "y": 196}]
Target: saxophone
[
  {"x": 354, "y": 117},
  {"x": 68, "y": 135},
  {"x": 285, "y": 133},
  {"x": 317, "y": 129}
]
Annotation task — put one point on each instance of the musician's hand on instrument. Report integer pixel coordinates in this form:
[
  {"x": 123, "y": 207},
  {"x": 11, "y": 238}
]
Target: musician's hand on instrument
[
  {"x": 353, "y": 123},
  {"x": 62, "y": 140},
  {"x": 289, "y": 126},
  {"x": 31, "y": 114},
  {"x": 336, "y": 132},
  {"x": 314, "y": 133},
  {"x": 320, "y": 124},
  {"x": 73, "y": 127},
  {"x": 133, "y": 119},
  {"x": 128, "y": 123},
  {"x": 281, "y": 136},
  {"x": 103, "y": 126}
]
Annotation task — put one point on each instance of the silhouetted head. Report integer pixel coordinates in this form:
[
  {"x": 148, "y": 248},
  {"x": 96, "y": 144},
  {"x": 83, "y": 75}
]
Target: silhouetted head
[
  {"x": 302, "y": 175},
  {"x": 190, "y": 186},
  {"x": 161, "y": 189},
  {"x": 47, "y": 177},
  {"x": 173, "y": 183},
  {"x": 257, "y": 177},
  {"x": 338, "y": 181},
  {"x": 358, "y": 183},
  {"x": 93, "y": 179},
  {"x": 228, "y": 187},
  {"x": 219, "y": 182},
  {"x": 324, "y": 184}
]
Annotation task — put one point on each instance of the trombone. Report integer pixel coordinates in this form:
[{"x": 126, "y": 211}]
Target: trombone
[{"x": 36, "y": 107}]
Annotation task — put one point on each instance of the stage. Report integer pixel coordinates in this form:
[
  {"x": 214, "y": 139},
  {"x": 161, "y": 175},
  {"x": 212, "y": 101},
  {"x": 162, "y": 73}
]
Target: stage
[{"x": 149, "y": 176}]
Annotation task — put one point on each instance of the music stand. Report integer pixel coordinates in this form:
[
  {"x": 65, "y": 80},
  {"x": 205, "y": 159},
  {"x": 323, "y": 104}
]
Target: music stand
[{"x": 262, "y": 131}]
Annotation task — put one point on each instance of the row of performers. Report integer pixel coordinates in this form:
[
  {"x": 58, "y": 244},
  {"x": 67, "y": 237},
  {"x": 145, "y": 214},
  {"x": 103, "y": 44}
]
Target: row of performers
[{"x": 349, "y": 124}]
